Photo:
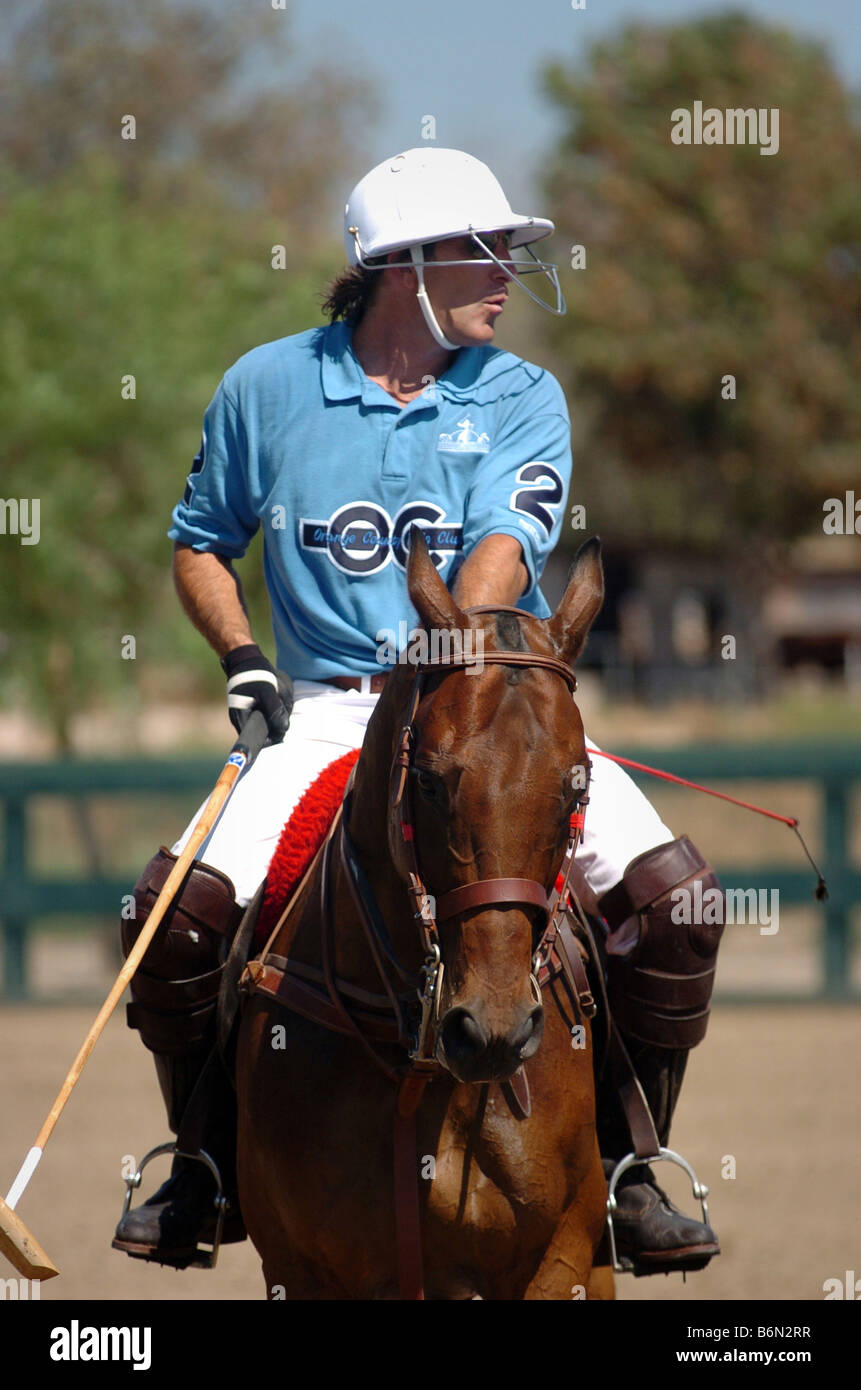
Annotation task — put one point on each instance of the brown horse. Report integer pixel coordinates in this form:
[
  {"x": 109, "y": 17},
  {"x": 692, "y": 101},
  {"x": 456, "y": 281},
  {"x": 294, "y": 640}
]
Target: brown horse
[{"x": 510, "y": 1202}]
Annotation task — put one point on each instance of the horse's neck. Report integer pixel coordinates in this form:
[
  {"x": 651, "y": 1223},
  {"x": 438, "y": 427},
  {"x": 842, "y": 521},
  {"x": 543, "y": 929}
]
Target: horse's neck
[{"x": 367, "y": 813}]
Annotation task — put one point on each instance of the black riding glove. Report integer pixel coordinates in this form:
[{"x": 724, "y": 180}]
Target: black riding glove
[{"x": 253, "y": 683}]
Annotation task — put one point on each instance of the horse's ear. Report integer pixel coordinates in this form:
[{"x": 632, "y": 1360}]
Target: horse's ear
[
  {"x": 581, "y": 602},
  {"x": 428, "y": 593}
]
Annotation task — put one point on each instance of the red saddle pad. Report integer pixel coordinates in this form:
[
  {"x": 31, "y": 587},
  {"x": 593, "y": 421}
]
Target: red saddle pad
[{"x": 300, "y": 839}]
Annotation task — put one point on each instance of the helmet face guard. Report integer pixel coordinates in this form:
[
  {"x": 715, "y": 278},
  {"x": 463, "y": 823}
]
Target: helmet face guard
[
  {"x": 427, "y": 196},
  {"x": 514, "y": 269}
]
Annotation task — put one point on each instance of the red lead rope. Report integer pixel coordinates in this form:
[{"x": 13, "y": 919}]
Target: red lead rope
[{"x": 821, "y": 891}]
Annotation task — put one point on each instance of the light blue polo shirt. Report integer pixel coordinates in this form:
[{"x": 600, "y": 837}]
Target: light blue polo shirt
[{"x": 299, "y": 441}]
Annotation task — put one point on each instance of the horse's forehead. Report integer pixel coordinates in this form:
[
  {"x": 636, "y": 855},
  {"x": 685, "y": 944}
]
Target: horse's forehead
[
  {"x": 515, "y": 632},
  {"x": 466, "y": 711},
  {"x": 509, "y": 633}
]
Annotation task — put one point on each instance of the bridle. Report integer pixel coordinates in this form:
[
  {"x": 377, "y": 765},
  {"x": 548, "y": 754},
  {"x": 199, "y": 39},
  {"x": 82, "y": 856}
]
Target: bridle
[
  {"x": 486, "y": 892},
  {"x": 407, "y": 1014}
]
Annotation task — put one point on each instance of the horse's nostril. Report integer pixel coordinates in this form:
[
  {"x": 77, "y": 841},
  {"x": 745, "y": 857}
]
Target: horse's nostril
[
  {"x": 472, "y": 1053},
  {"x": 472, "y": 1029},
  {"x": 462, "y": 1035},
  {"x": 528, "y": 1035}
]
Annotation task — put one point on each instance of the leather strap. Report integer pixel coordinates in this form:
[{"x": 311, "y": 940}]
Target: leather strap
[
  {"x": 173, "y": 1034},
  {"x": 192, "y": 1128},
  {"x": 572, "y": 962},
  {"x": 516, "y": 1092},
  {"x": 377, "y": 1003},
  {"x": 498, "y": 608},
  {"x": 371, "y": 918},
  {"x": 228, "y": 995},
  {"x": 643, "y": 1133},
  {"x": 491, "y": 890},
  {"x": 327, "y": 945},
  {"x": 528, "y": 659},
  {"x": 158, "y": 996},
  {"x": 307, "y": 999},
  {"x": 376, "y": 932},
  {"x": 207, "y": 896}
]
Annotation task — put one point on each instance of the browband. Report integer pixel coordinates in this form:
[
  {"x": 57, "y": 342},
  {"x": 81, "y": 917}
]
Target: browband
[{"x": 550, "y": 663}]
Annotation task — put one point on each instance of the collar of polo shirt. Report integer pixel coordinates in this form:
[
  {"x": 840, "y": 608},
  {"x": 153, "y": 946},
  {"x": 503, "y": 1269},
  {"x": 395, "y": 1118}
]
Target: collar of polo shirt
[{"x": 343, "y": 379}]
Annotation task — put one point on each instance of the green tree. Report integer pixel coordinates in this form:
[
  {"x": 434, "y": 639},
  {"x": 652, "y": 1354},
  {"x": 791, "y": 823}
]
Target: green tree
[
  {"x": 98, "y": 292},
  {"x": 148, "y": 259},
  {"x": 705, "y": 261},
  {"x": 222, "y": 99}
]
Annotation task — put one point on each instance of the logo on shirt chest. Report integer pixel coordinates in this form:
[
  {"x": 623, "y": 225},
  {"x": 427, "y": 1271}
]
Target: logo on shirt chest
[
  {"x": 361, "y": 537},
  {"x": 464, "y": 440}
]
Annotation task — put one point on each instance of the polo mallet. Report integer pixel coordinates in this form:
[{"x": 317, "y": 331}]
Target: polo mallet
[{"x": 16, "y": 1242}]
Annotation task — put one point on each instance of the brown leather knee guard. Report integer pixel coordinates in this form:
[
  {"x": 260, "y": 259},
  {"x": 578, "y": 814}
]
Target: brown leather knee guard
[
  {"x": 666, "y": 919},
  {"x": 175, "y": 990}
]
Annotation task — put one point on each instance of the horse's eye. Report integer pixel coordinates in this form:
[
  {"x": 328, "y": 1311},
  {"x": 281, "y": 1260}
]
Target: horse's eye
[{"x": 426, "y": 782}]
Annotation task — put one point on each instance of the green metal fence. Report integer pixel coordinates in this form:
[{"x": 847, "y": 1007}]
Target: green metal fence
[{"x": 832, "y": 768}]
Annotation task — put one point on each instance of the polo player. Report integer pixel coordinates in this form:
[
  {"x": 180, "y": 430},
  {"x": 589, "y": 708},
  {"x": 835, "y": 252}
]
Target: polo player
[{"x": 399, "y": 412}]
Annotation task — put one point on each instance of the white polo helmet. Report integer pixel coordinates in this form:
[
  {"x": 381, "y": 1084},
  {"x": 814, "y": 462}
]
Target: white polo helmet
[{"x": 430, "y": 194}]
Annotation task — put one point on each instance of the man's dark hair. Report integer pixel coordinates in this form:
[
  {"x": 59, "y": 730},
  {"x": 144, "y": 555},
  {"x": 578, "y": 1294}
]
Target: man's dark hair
[{"x": 352, "y": 292}]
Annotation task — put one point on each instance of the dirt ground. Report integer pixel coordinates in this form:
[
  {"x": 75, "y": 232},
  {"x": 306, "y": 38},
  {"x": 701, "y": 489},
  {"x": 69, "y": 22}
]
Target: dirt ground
[{"x": 774, "y": 1089}]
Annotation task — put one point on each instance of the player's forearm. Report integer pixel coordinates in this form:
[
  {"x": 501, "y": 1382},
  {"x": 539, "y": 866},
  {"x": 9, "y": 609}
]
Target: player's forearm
[
  {"x": 211, "y": 594},
  {"x": 493, "y": 572}
]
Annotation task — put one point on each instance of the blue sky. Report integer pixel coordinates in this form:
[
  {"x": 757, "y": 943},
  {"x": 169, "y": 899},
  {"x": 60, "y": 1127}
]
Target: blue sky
[{"x": 475, "y": 67}]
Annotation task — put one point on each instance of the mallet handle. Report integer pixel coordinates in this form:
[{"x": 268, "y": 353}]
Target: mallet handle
[{"x": 244, "y": 751}]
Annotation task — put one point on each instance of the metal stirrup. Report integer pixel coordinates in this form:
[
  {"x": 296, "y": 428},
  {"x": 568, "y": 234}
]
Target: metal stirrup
[
  {"x": 700, "y": 1191},
  {"x": 205, "y": 1259}
]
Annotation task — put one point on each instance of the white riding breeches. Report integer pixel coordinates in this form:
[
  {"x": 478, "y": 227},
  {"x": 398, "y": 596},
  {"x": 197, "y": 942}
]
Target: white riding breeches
[{"x": 326, "y": 723}]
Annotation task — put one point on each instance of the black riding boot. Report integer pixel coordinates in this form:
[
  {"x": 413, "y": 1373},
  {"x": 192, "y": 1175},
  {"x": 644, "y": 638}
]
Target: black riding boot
[
  {"x": 660, "y": 971},
  {"x": 651, "y": 1233},
  {"x": 174, "y": 1004}
]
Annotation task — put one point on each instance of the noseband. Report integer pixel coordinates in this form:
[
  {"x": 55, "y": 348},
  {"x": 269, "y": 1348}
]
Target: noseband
[{"x": 487, "y": 892}]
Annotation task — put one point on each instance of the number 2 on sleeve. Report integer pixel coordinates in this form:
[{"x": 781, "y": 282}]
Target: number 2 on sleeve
[{"x": 528, "y": 500}]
